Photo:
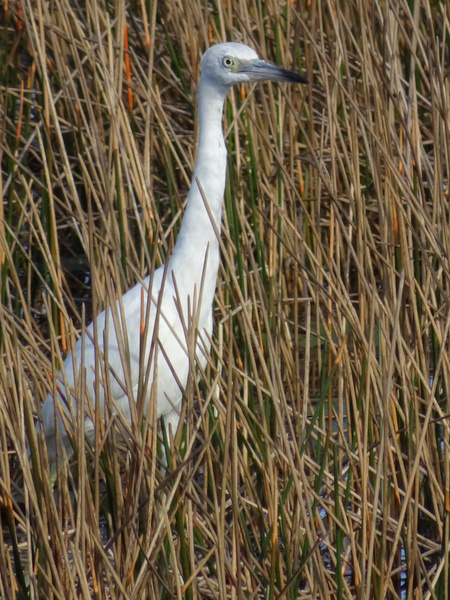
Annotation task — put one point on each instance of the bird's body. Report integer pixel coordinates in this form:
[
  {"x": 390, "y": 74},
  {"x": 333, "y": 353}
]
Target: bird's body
[{"x": 187, "y": 283}]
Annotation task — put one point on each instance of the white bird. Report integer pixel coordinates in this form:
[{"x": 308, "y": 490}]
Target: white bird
[{"x": 192, "y": 268}]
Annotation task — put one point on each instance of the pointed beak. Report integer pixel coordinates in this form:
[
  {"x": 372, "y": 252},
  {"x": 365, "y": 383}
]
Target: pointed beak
[{"x": 260, "y": 70}]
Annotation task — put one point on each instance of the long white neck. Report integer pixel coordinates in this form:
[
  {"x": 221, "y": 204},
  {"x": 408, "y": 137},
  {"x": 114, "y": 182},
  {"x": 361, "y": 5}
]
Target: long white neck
[{"x": 197, "y": 238}]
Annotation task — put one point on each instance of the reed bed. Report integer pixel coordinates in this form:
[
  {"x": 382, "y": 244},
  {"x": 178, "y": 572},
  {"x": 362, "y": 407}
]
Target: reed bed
[{"x": 314, "y": 457}]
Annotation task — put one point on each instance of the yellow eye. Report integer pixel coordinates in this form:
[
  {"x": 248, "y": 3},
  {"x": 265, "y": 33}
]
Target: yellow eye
[{"x": 228, "y": 62}]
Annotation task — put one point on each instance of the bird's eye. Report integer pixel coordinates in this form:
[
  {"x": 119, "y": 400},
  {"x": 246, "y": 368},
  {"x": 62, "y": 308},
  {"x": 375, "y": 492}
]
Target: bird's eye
[{"x": 228, "y": 62}]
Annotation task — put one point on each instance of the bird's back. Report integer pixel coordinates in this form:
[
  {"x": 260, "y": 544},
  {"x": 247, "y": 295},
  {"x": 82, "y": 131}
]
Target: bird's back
[{"x": 159, "y": 333}]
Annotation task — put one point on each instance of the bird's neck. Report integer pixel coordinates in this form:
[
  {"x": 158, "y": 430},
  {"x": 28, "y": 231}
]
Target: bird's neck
[
  {"x": 211, "y": 161},
  {"x": 197, "y": 238}
]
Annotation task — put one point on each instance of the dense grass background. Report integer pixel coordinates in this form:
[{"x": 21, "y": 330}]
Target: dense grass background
[{"x": 315, "y": 460}]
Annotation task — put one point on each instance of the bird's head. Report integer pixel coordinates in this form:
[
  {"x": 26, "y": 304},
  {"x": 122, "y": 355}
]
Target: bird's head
[{"x": 227, "y": 64}]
